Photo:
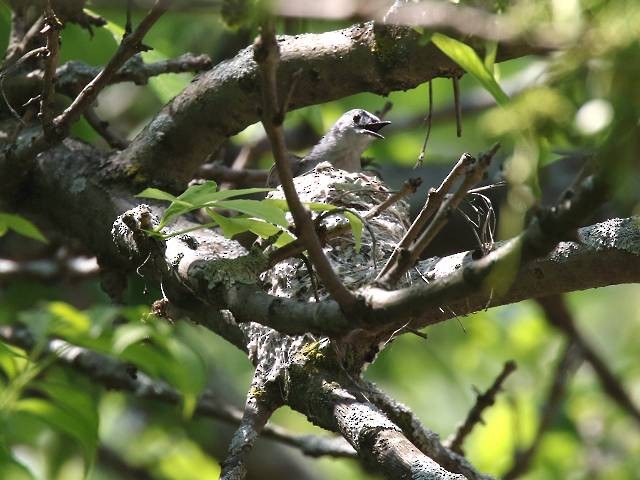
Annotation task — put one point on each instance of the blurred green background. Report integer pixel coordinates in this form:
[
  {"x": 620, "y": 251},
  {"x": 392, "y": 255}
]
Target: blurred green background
[{"x": 591, "y": 438}]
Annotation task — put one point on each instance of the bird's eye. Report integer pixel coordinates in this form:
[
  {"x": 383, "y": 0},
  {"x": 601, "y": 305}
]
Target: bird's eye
[{"x": 356, "y": 118}]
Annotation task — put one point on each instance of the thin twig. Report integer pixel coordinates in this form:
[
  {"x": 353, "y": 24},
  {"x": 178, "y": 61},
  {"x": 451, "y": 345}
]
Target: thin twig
[
  {"x": 130, "y": 45},
  {"x": 458, "y": 105},
  {"x": 483, "y": 401},
  {"x": 565, "y": 369},
  {"x": 438, "y": 205},
  {"x": 17, "y": 49},
  {"x": 558, "y": 314},
  {"x": 427, "y": 120},
  {"x": 11, "y": 68},
  {"x": 51, "y": 31},
  {"x": 240, "y": 178},
  {"x": 266, "y": 53},
  {"x": 102, "y": 128}
]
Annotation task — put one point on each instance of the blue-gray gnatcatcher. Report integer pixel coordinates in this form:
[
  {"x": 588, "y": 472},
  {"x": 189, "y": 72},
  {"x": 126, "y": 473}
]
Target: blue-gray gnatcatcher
[{"x": 342, "y": 146}]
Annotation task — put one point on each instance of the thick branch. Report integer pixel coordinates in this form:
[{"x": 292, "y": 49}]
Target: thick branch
[{"x": 364, "y": 57}]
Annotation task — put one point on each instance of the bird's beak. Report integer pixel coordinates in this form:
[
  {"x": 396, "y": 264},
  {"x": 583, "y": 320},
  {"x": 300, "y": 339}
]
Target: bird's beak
[{"x": 374, "y": 127}]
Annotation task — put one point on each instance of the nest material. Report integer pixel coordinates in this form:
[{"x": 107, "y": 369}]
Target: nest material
[{"x": 359, "y": 192}]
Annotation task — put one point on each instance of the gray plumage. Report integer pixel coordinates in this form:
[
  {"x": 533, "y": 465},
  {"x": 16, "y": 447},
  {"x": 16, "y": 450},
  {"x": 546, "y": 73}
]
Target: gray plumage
[{"x": 342, "y": 146}]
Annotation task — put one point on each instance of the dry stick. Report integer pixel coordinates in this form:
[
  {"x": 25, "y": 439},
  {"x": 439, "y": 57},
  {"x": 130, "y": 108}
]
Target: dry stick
[
  {"x": 108, "y": 371},
  {"x": 457, "y": 104},
  {"x": 428, "y": 120},
  {"x": 130, "y": 45},
  {"x": 51, "y": 30},
  {"x": 6, "y": 71},
  {"x": 567, "y": 366},
  {"x": 559, "y": 315},
  {"x": 483, "y": 401},
  {"x": 266, "y": 53},
  {"x": 294, "y": 248},
  {"x": 435, "y": 197},
  {"x": 222, "y": 173},
  {"x": 102, "y": 128},
  {"x": 408, "y": 256},
  {"x": 15, "y": 51}
]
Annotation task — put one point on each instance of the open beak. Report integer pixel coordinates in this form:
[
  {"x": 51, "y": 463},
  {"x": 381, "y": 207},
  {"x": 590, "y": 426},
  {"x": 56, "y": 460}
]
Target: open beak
[{"x": 374, "y": 127}]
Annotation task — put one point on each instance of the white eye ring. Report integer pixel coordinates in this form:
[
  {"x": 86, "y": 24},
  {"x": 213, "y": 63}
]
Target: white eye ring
[{"x": 356, "y": 118}]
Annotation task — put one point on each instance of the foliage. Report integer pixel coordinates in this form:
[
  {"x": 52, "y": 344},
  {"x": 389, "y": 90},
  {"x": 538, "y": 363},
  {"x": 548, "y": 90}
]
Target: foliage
[{"x": 54, "y": 420}]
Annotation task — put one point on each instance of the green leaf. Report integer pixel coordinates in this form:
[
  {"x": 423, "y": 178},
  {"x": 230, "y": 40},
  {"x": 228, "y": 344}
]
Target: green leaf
[
  {"x": 59, "y": 418},
  {"x": 11, "y": 468},
  {"x": 68, "y": 321},
  {"x": 258, "y": 209},
  {"x": 128, "y": 335},
  {"x": 191, "y": 199},
  {"x": 356, "y": 228},
  {"x": 158, "y": 194},
  {"x": 491, "y": 49},
  {"x": 234, "y": 225},
  {"x": 284, "y": 239},
  {"x": 20, "y": 225},
  {"x": 467, "y": 58}
]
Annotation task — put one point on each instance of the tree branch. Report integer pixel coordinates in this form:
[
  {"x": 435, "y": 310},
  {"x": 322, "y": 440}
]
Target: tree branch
[
  {"x": 51, "y": 31},
  {"x": 364, "y": 57},
  {"x": 267, "y": 55},
  {"x": 483, "y": 401},
  {"x": 567, "y": 365},
  {"x": 114, "y": 374},
  {"x": 130, "y": 45},
  {"x": 558, "y": 315}
]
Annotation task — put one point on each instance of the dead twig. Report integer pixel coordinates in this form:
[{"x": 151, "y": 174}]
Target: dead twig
[
  {"x": 102, "y": 128},
  {"x": 565, "y": 369},
  {"x": 438, "y": 206},
  {"x": 558, "y": 315},
  {"x": 130, "y": 45},
  {"x": 483, "y": 401},
  {"x": 51, "y": 30}
]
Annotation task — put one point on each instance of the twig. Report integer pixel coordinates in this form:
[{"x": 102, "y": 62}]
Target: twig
[
  {"x": 408, "y": 251},
  {"x": 130, "y": 45},
  {"x": 559, "y": 315},
  {"x": 483, "y": 401},
  {"x": 239, "y": 164},
  {"x": 457, "y": 104},
  {"x": 20, "y": 43},
  {"x": 221, "y": 173},
  {"x": 266, "y": 53},
  {"x": 428, "y": 119},
  {"x": 297, "y": 246},
  {"x": 6, "y": 71},
  {"x": 102, "y": 128},
  {"x": 51, "y": 30},
  {"x": 113, "y": 373},
  {"x": 565, "y": 369},
  {"x": 427, "y": 441}
]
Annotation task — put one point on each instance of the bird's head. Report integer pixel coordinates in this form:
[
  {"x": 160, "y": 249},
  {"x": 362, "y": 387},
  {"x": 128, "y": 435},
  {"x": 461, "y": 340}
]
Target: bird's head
[{"x": 358, "y": 126}]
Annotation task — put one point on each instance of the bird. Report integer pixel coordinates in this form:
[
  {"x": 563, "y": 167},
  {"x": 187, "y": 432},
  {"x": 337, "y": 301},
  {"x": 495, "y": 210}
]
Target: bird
[{"x": 342, "y": 146}]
